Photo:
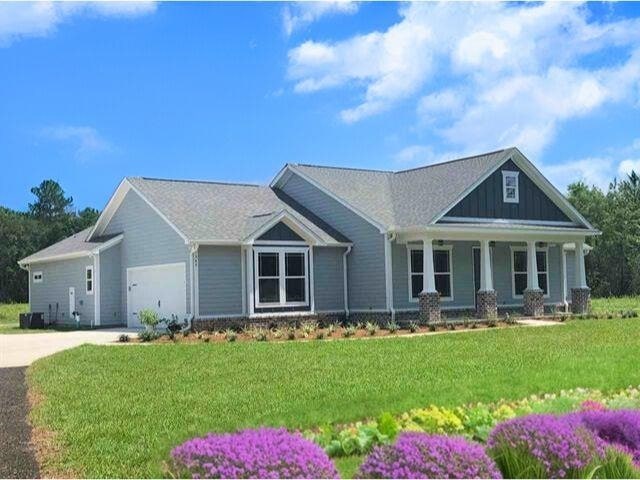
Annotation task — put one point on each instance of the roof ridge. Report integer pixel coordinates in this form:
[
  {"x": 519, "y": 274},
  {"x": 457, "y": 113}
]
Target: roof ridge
[
  {"x": 341, "y": 168},
  {"x": 210, "y": 182},
  {"x": 446, "y": 162}
]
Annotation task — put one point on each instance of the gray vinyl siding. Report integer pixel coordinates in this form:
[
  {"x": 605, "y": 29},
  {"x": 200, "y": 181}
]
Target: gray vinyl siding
[
  {"x": 110, "y": 288},
  {"x": 148, "y": 240},
  {"x": 571, "y": 268},
  {"x": 220, "y": 280},
  {"x": 486, "y": 200},
  {"x": 328, "y": 278},
  {"x": 57, "y": 277},
  {"x": 365, "y": 263},
  {"x": 462, "y": 269},
  {"x": 280, "y": 232}
]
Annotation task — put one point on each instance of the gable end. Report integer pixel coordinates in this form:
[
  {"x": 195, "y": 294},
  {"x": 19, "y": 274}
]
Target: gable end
[{"x": 281, "y": 232}]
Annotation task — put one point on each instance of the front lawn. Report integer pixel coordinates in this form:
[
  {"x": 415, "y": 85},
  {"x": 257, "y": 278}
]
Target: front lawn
[
  {"x": 118, "y": 410},
  {"x": 615, "y": 304},
  {"x": 9, "y": 316}
]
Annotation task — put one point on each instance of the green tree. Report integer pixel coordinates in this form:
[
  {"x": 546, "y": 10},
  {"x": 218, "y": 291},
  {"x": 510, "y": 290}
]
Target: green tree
[{"x": 51, "y": 202}]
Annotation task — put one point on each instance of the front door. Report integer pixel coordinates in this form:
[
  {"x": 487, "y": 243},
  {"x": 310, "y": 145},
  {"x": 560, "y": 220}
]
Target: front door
[{"x": 72, "y": 301}]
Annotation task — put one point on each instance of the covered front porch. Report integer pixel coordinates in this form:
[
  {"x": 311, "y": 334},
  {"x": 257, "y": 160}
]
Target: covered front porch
[{"x": 485, "y": 268}]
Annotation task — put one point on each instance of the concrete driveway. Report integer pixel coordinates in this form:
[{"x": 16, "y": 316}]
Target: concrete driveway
[{"x": 22, "y": 349}]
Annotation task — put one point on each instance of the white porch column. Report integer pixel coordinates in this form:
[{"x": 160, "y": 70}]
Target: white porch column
[
  {"x": 429, "y": 279},
  {"x": 486, "y": 279},
  {"x": 581, "y": 276},
  {"x": 532, "y": 266}
]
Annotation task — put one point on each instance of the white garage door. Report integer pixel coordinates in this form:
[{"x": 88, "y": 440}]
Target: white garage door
[{"x": 162, "y": 288}]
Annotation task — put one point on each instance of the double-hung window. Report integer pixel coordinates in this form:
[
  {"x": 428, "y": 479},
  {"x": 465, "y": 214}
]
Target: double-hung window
[
  {"x": 519, "y": 271},
  {"x": 89, "y": 280},
  {"x": 281, "y": 276},
  {"x": 441, "y": 268},
  {"x": 510, "y": 189}
]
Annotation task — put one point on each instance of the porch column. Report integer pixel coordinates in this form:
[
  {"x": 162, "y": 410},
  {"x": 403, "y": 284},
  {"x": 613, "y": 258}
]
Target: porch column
[
  {"x": 580, "y": 293},
  {"x": 429, "y": 297},
  {"x": 533, "y": 296},
  {"x": 486, "y": 297}
]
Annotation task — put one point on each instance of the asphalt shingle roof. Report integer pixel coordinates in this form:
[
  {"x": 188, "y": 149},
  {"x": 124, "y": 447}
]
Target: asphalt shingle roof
[{"x": 76, "y": 243}]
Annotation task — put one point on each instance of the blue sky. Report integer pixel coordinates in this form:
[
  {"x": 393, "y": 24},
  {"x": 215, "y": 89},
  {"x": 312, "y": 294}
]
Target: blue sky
[{"x": 90, "y": 93}]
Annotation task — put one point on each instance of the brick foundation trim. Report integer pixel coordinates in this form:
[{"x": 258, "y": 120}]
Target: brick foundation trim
[
  {"x": 429, "y": 307},
  {"x": 486, "y": 304},
  {"x": 580, "y": 300},
  {"x": 533, "y": 302}
]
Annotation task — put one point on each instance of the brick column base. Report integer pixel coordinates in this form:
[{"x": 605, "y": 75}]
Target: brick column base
[
  {"x": 580, "y": 300},
  {"x": 486, "y": 304},
  {"x": 534, "y": 303},
  {"x": 429, "y": 307}
]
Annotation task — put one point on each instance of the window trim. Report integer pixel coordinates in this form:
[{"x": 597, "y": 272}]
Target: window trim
[
  {"x": 506, "y": 174},
  {"x": 281, "y": 252},
  {"x": 448, "y": 248},
  {"x": 87, "y": 280},
  {"x": 514, "y": 249},
  {"x": 35, "y": 274}
]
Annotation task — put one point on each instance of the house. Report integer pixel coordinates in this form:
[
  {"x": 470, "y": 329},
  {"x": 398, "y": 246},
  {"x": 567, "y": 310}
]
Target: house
[{"x": 479, "y": 234}]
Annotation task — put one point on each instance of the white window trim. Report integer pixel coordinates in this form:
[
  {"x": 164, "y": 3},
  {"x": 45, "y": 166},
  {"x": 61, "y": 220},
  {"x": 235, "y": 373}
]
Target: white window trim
[
  {"x": 448, "y": 248},
  {"x": 505, "y": 175},
  {"x": 36, "y": 274},
  {"x": 86, "y": 280},
  {"x": 513, "y": 276},
  {"x": 281, "y": 251}
]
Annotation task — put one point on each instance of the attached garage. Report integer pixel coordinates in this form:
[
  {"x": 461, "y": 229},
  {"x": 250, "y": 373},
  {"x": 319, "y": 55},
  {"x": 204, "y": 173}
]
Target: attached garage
[{"x": 161, "y": 288}]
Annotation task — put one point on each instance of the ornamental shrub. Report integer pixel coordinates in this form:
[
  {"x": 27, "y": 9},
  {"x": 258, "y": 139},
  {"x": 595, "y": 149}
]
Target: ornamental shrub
[
  {"x": 418, "y": 455},
  {"x": 433, "y": 420},
  {"x": 262, "y": 453},
  {"x": 544, "y": 446}
]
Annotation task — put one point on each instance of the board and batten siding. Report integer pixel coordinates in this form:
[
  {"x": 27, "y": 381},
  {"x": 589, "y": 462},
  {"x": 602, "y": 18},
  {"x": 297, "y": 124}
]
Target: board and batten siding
[
  {"x": 463, "y": 282},
  {"x": 486, "y": 200},
  {"x": 365, "y": 263},
  {"x": 220, "y": 280},
  {"x": 147, "y": 240},
  {"x": 328, "y": 279},
  {"x": 110, "y": 287},
  {"x": 57, "y": 277}
]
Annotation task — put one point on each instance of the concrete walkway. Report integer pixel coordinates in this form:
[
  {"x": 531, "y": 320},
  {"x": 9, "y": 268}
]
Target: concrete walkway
[{"x": 22, "y": 349}]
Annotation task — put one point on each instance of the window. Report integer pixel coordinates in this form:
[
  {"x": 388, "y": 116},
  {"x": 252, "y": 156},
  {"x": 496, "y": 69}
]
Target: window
[
  {"x": 441, "y": 268},
  {"x": 519, "y": 269},
  {"x": 281, "y": 277},
  {"x": 37, "y": 277},
  {"x": 510, "y": 189},
  {"x": 89, "y": 280}
]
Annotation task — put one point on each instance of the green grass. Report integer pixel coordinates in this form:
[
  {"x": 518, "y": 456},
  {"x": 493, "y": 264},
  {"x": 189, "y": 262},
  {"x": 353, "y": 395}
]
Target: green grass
[
  {"x": 615, "y": 304},
  {"x": 119, "y": 410},
  {"x": 348, "y": 466},
  {"x": 9, "y": 312}
]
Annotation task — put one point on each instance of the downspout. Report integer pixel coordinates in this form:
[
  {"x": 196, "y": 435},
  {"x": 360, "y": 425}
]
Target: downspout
[
  {"x": 344, "y": 280},
  {"x": 193, "y": 251},
  {"x": 388, "y": 238}
]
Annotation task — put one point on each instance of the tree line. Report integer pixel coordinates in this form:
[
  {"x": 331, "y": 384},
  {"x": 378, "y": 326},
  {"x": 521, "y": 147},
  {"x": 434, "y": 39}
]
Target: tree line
[
  {"x": 49, "y": 219},
  {"x": 613, "y": 266}
]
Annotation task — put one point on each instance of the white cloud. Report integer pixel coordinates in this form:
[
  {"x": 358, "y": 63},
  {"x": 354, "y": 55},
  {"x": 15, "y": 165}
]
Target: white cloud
[
  {"x": 485, "y": 75},
  {"x": 86, "y": 141},
  {"x": 301, "y": 14},
  {"x": 629, "y": 165},
  {"x": 38, "y": 19},
  {"x": 592, "y": 171}
]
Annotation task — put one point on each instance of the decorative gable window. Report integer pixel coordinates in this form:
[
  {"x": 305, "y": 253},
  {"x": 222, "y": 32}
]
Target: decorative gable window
[
  {"x": 442, "y": 272},
  {"x": 281, "y": 276},
  {"x": 510, "y": 190},
  {"x": 37, "y": 277},
  {"x": 89, "y": 280}
]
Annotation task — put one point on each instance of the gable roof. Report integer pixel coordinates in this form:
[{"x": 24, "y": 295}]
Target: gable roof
[
  {"x": 71, "y": 247},
  {"x": 420, "y": 196}
]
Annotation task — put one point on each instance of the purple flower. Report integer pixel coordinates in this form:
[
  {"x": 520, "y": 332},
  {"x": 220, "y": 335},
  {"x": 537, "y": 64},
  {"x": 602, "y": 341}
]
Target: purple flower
[
  {"x": 418, "y": 455},
  {"x": 559, "y": 446},
  {"x": 262, "y": 453},
  {"x": 619, "y": 428}
]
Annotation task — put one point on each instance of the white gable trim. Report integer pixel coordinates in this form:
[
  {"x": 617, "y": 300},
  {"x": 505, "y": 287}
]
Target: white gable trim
[
  {"x": 79, "y": 254},
  {"x": 290, "y": 221},
  {"x": 536, "y": 177},
  {"x": 288, "y": 169},
  {"x": 116, "y": 200}
]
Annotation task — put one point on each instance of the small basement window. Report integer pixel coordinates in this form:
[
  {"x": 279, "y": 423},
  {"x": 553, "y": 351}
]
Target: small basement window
[
  {"x": 510, "y": 189},
  {"x": 89, "y": 280},
  {"x": 37, "y": 277}
]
